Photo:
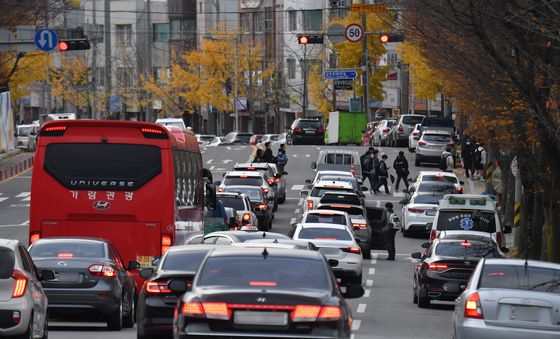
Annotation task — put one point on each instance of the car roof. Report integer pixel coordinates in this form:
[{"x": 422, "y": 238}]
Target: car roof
[
  {"x": 437, "y": 173},
  {"x": 339, "y": 151},
  {"x": 228, "y": 251},
  {"x": 244, "y": 173},
  {"x": 322, "y": 225},
  {"x": 11, "y": 243},
  {"x": 476, "y": 241},
  {"x": 169, "y": 120},
  {"x": 331, "y": 204},
  {"x": 325, "y": 211},
  {"x": 254, "y": 244},
  {"x": 228, "y": 187},
  {"x": 76, "y": 239},
  {"x": 459, "y": 234},
  {"x": 231, "y": 194},
  {"x": 235, "y": 233},
  {"x": 326, "y": 184},
  {"x": 340, "y": 193},
  {"x": 521, "y": 262},
  {"x": 192, "y": 248},
  {"x": 442, "y": 183},
  {"x": 331, "y": 172},
  {"x": 255, "y": 165}
]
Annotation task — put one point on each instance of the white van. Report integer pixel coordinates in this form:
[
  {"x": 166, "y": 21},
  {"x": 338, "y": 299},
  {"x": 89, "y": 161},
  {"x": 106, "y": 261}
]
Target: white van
[
  {"x": 172, "y": 122},
  {"x": 26, "y": 137},
  {"x": 469, "y": 212}
]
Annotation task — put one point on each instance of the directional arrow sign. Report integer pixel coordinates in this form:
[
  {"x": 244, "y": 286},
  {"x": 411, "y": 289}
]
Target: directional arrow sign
[
  {"x": 46, "y": 39},
  {"x": 331, "y": 75}
]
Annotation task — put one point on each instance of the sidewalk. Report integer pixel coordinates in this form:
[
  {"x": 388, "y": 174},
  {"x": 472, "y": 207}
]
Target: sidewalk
[
  {"x": 472, "y": 186},
  {"x": 14, "y": 164}
]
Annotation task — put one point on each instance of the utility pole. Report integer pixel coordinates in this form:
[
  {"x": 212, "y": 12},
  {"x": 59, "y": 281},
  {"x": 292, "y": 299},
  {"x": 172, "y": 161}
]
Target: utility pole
[
  {"x": 149, "y": 112},
  {"x": 365, "y": 67},
  {"x": 304, "y": 67},
  {"x": 108, "y": 53},
  {"x": 235, "y": 87},
  {"x": 94, "y": 111}
]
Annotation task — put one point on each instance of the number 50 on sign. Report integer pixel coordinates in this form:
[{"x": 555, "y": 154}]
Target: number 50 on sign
[{"x": 353, "y": 32}]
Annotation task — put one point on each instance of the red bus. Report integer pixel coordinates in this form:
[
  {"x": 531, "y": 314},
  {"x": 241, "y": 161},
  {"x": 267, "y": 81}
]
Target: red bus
[{"x": 135, "y": 184}]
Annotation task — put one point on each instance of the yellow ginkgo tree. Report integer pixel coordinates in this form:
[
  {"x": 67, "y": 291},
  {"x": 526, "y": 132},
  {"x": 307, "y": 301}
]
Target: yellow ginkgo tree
[{"x": 69, "y": 82}]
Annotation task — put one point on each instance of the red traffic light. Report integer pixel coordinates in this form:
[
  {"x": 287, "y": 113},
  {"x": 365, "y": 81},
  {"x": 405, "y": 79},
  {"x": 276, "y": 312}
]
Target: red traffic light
[
  {"x": 384, "y": 38},
  {"x": 303, "y": 40},
  {"x": 62, "y": 46}
]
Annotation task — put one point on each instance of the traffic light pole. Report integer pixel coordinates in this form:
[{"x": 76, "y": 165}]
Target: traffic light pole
[{"x": 365, "y": 68}]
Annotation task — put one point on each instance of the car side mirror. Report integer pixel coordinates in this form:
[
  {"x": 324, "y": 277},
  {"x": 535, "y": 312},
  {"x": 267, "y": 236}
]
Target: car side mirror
[
  {"x": 314, "y": 165},
  {"x": 416, "y": 255},
  {"x": 304, "y": 192},
  {"x": 333, "y": 262},
  {"x": 177, "y": 286},
  {"x": 364, "y": 189},
  {"x": 508, "y": 229},
  {"x": 147, "y": 273},
  {"x": 425, "y": 245},
  {"x": 133, "y": 265},
  {"x": 504, "y": 249},
  {"x": 47, "y": 275},
  {"x": 353, "y": 291},
  {"x": 308, "y": 181}
]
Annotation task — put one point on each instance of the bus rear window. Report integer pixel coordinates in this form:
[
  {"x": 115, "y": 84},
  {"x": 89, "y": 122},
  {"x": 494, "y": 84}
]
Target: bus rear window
[{"x": 116, "y": 167}]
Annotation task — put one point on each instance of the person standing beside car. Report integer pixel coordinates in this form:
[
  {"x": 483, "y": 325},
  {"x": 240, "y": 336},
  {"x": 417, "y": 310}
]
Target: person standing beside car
[
  {"x": 467, "y": 156},
  {"x": 383, "y": 174},
  {"x": 401, "y": 167},
  {"x": 281, "y": 159},
  {"x": 268, "y": 157}
]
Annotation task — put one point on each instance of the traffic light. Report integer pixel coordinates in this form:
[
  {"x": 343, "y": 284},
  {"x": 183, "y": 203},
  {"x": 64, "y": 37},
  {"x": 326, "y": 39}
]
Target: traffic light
[
  {"x": 73, "y": 45},
  {"x": 304, "y": 39},
  {"x": 391, "y": 37}
]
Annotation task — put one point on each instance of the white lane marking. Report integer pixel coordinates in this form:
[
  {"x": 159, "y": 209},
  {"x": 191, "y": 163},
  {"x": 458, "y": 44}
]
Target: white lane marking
[
  {"x": 4, "y": 199},
  {"x": 23, "y": 195},
  {"x": 318, "y": 148},
  {"x": 26, "y": 199},
  {"x": 373, "y": 261},
  {"x": 374, "y": 255},
  {"x": 300, "y": 202},
  {"x": 11, "y": 226},
  {"x": 356, "y": 324},
  {"x": 371, "y": 271},
  {"x": 297, "y": 211},
  {"x": 369, "y": 283},
  {"x": 25, "y": 223},
  {"x": 367, "y": 293},
  {"x": 23, "y": 177},
  {"x": 209, "y": 161},
  {"x": 398, "y": 195},
  {"x": 297, "y": 187},
  {"x": 292, "y": 221},
  {"x": 361, "y": 308},
  {"x": 352, "y": 336},
  {"x": 20, "y": 205}
]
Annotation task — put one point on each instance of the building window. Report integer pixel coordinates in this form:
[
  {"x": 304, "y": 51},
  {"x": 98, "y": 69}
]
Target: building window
[
  {"x": 245, "y": 23},
  {"x": 100, "y": 76},
  {"x": 189, "y": 29},
  {"x": 291, "y": 68},
  {"x": 175, "y": 30},
  {"x": 292, "y": 20},
  {"x": 312, "y": 20},
  {"x": 268, "y": 19},
  {"x": 161, "y": 32},
  {"x": 124, "y": 33},
  {"x": 100, "y": 33},
  {"x": 258, "y": 19}
]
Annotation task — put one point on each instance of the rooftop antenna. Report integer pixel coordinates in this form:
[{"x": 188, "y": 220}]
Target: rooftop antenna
[
  {"x": 264, "y": 253},
  {"x": 275, "y": 241},
  {"x": 264, "y": 234}
]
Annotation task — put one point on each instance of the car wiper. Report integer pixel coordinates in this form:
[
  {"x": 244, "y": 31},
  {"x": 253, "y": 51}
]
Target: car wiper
[{"x": 554, "y": 284}]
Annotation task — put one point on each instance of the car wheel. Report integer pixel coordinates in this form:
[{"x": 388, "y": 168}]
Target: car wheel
[
  {"x": 353, "y": 280},
  {"x": 282, "y": 200},
  {"x": 115, "y": 321},
  {"x": 411, "y": 150},
  {"x": 128, "y": 321},
  {"x": 366, "y": 253},
  {"x": 414, "y": 296},
  {"x": 423, "y": 302},
  {"x": 405, "y": 233},
  {"x": 417, "y": 162}
]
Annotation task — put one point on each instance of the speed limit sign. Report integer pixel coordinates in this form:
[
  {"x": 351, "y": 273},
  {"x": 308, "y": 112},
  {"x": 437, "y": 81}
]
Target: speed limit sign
[{"x": 354, "y": 32}]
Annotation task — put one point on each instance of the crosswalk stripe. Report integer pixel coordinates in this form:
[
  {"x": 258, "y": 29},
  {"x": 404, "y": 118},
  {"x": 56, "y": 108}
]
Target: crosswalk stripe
[
  {"x": 26, "y": 199},
  {"x": 297, "y": 187},
  {"x": 3, "y": 199},
  {"x": 23, "y": 195}
]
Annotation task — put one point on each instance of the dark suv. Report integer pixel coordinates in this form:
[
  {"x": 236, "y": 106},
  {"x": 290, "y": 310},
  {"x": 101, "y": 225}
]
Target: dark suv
[{"x": 306, "y": 131}]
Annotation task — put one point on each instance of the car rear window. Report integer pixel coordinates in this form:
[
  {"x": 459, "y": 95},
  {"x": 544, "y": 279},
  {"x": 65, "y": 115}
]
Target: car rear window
[
  {"x": 235, "y": 203},
  {"x": 23, "y": 131},
  {"x": 323, "y": 233},
  {"x": 68, "y": 250},
  {"x": 353, "y": 211},
  {"x": 390, "y": 123},
  {"x": 439, "y": 178},
  {"x": 183, "y": 261},
  {"x": 244, "y": 137},
  {"x": 319, "y": 191},
  {"x": 437, "y": 122},
  {"x": 308, "y": 124},
  {"x": 528, "y": 278},
  {"x": 7, "y": 262},
  {"x": 266, "y": 271},
  {"x": 248, "y": 181},
  {"x": 467, "y": 249},
  {"x": 449, "y": 220},
  {"x": 340, "y": 198},
  {"x": 348, "y": 179},
  {"x": 339, "y": 158},
  {"x": 88, "y": 166},
  {"x": 437, "y": 187},
  {"x": 254, "y": 194},
  {"x": 412, "y": 120},
  {"x": 326, "y": 218},
  {"x": 443, "y": 138},
  {"x": 428, "y": 199}
]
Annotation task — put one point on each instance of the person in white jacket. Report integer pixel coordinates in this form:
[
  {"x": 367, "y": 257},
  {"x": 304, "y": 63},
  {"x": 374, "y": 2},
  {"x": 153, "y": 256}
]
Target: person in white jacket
[{"x": 450, "y": 163}]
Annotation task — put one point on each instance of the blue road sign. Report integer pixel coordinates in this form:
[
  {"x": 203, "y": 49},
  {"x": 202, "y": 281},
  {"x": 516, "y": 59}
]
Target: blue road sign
[
  {"x": 114, "y": 104},
  {"x": 46, "y": 39},
  {"x": 332, "y": 75}
]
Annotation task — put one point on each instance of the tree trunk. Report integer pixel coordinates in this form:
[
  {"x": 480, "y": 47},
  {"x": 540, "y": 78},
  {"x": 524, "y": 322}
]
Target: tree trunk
[{"x": 536, "y": 231}]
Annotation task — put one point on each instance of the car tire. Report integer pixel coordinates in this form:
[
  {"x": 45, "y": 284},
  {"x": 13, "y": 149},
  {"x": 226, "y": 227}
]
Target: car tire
[
  {"x": 46, "y": 327},
  {"x": 405, "y": 233},
  {"x": 282, "y": 200},
  {"x": 128, "y": 320},
  {"x": 417, "y": 162},
  {"x": 115, "y": 320},
  {"x": 411, "y": 150},
  {"x": 414, "y": 296},
  {"x": 353, "y": 280},
  {"x": 423, "y": 302},
  {"x": 366, "y": 254}
]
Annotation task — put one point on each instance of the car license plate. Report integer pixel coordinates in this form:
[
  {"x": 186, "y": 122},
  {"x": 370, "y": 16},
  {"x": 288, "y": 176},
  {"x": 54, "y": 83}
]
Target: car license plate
[
  {"x": 260, "y": 318},
  {"x": 431, "y": 213},
  {"x": 68, "y": 277},
  {"x": 328, "y": 250},
  {"x": 309, "y": 132},
  {"x": 525, "y": 313}
]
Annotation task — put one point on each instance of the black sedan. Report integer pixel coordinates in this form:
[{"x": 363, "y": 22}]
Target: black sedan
[
  {"x": 264, "y": 293},
  {"x": 444, "y": 270},
  {"x": 90, "y": 278},
  {"x": 156, "y": 302}
]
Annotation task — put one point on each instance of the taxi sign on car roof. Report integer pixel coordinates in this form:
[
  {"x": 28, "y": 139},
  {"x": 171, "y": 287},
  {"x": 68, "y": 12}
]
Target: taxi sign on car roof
[{"x": 467, "y": 201}]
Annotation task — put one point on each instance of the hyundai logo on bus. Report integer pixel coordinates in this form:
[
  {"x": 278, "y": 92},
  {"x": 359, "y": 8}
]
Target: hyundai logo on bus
[{"x": 101, "y": 205}]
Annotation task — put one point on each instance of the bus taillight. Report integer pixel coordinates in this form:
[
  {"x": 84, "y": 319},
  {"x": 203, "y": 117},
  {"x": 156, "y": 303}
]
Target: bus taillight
[
  {"x": 165, "y": 243},
  {"x": 34, "y": 236}
]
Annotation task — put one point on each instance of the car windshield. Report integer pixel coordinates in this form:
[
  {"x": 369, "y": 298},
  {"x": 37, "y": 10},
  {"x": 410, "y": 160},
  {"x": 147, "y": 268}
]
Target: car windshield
[
  {"x": 7, "y": 262},
  {"x": 437, "y": 187},
  {"x": 412, "y": 120},
  {"x": 390, "y": 123},
  {"x": 243, "y": 137},
  {"x": 319, "y": 191},
  {"x": 437, "y": 122},
  {"x": 309, "y": 124},
  {"x": 440, "y": 178},
  {"x": 467, "y": 249},
  {"x": 248, "y": 181},
  {"x": 179, "y": 124},
  {"x": 427, "y": 199},
  {"x": 443, "y": 138},
  {"x": 23, "y": 132},
  {"x": 266, "y": 271},
  {"x": 254, "y": 194},
  {"x": 275, "y": 137},
  {"x": 467, "y": 220},
  {"x": 339, "y": 158},
  {"x": 67, "y": 249},
  {"x": 326, "y": 218},
  {"x": 233, "y": 202},
  {"x": 183, "y": 261},
  {"x": 520, "y": 277},
  {"x": 323, "y": 233},
  {"x": 341, "y": 198}
]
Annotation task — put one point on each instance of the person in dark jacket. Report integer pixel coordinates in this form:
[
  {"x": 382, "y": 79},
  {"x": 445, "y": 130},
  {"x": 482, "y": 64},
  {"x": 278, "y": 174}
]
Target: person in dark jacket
[
  {"x": 281, "y": 159},
  {"x": 268, "y": 157},
  {"x": 383, "y": 174},
  {"x": 401, "y": 167},
  {"x": 467, "y": 156},
  {"x": 258, "y": 156},
  {"x": 366, "y": 161},
  {"x": 389, "y": 231}
]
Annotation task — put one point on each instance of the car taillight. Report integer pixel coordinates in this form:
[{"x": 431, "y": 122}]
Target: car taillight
[
  {"x": 246, "y": 217},
  {"x": 20, "y": 284},
  {"x": 297, "y": 130},
  {"x": 266, "y": 190},
  {"x": 53, "y": 131},
  {"x": 262, "y": 206},
  {"x": 400, "y": 129},
  {"x": 385, "y": 130},
  {"x": 101, "y": 270},
  {"x": 432, "y": 234},
  {"x": 459, "y": 189},
  {"x": 277, "y": 179},
  {"x": 450, "y": 145},
  {"x": 309, "y": 204},
  {"x": 473, "y": 308},
  {"x": 416, "y": 210},
  {"x": 320, "y": 130},
  {"x": 415, "y": 134},
  {"x": 220, "y": 189},
  {"x": 65, "y": 255},
  {"x": 165, "y": 243},
  {"x": 359, "y": 226},
  {"x": 154, "y": 133},
  {"x": 34, "y": 236},
  {"x": 421, "y": 143},
  {"x": 271, "y": 181},
  {"x": 209, "y": 310},
  {"x": 329, "y": 313},
  {"x": 437, "y": 267},
  {"x": 155, "y": 287},
  {"x": 311, "y": 313},
  {"x": 353, "y": 249}
]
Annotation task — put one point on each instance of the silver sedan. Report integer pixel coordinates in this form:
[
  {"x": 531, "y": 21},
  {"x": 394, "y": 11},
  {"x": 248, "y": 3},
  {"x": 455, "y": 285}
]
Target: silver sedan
[{"x": 507, "y": 298}]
